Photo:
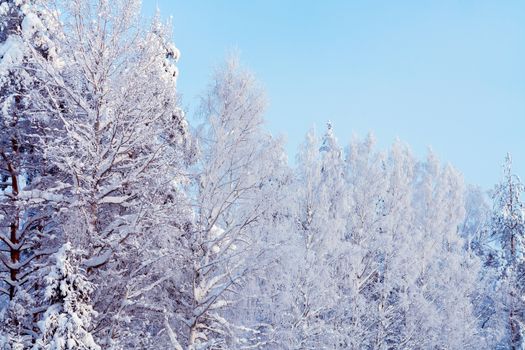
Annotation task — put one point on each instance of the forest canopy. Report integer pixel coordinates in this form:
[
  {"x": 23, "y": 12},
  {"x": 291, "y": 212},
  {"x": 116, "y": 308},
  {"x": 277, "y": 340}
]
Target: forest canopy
[{"x": 125, "y": 226}]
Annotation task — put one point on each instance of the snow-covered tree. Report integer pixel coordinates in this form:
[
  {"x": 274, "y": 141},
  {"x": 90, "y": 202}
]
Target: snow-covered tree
[
  {"x": 121, "y": 151},
  {"x": 508, "y": 227},
  {"x": 236, "y": 180},
  {"x": 440, "y": 207},
  {"x": 67, "y": 320},
  {"x": 480, "y": 241},
  {"x": 309, "y": 273},
  {"x": 28, "y": 198}
]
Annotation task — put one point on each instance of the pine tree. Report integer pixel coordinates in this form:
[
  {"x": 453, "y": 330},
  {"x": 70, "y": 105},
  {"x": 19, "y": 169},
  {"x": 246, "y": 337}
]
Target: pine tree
[
  {"x": 121, "y": 153},
  {"x": 67, "y": 321},
  {"x": 508, "y": 227},
  {"x": 28, "y": 191}
]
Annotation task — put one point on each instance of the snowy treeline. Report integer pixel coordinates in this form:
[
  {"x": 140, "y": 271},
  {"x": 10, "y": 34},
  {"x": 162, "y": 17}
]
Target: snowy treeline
[{"x": 122, "y": 227}]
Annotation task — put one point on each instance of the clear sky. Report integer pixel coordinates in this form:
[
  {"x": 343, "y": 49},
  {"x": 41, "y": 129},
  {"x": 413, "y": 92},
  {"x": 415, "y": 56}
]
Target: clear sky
[{"x": 445, "y": 74}]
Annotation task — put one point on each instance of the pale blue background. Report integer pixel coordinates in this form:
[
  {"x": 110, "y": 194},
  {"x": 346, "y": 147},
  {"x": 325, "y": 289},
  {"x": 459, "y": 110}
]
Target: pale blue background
[{"x": 449, "y": 74}]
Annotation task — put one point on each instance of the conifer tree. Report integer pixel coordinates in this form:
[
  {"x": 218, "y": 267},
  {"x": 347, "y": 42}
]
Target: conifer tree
[
  {"x": 28, "y": 190},
  {"x": 67, "y": 320},
  {"x": 508, "y": 227}
]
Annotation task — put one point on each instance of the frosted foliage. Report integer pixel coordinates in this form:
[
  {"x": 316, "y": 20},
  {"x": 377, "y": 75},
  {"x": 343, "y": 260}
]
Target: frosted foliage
[
  {"x": 378, "y": 250},
  {"x": 66, "y": 322},
  {"x": 236, "y": 179},
  {"x": 508, "y": 229},
  {"x": 121, "y": 152},
  {"x": 15, "y": 319},
  {"x": 27, "y": 231}
]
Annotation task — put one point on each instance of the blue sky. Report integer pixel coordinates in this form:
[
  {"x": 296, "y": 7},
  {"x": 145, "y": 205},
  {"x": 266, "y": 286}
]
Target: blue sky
[{"x": 445, "y": 74}]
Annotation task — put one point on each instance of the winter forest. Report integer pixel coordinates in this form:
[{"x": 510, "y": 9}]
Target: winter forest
[{"x": 123, "y": 226}]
